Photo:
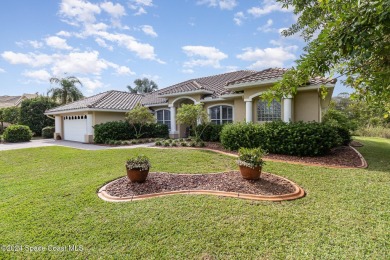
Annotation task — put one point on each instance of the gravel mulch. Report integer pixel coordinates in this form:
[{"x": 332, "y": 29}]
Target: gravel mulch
[
  {"x": 157, "y": 182},
  {"x": 342, "y": 156}
]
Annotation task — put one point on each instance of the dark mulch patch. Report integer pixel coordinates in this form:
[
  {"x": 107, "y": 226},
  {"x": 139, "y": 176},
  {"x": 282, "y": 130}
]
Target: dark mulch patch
[
  {"x": 355, "y": 144},
  {"x": 157, "y": 182},
  {"x": 342, "y": 156}
]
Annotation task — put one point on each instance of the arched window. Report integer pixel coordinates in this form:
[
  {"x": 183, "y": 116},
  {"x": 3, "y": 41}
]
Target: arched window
[
  {"x": 164, "y": 117},
  {"x": 268, "y": 113},
  {"x": 221, "y": 114}
]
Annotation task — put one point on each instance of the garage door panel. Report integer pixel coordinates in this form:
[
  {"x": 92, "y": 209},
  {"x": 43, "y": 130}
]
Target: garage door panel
[{"x": 75, "y": 128}]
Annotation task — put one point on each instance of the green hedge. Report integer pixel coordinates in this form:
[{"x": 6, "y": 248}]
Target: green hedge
[
  {"x": 211, "y": 133},
  {"x": 301, "y": 139},
  {"x": 122, "y": 130},
  {"x": 48, "y": 132},
  {"x": 17, "y": 133}
]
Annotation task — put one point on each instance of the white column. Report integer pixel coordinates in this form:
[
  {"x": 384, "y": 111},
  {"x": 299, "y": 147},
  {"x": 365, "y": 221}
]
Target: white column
[
  {"x": 173, "y": 120},
  {"x": 57, "y": 126},
  {"x": 287, "y": 109},
  {"x": 248, "y": 111},
  {"x": 89, "y": 125}
]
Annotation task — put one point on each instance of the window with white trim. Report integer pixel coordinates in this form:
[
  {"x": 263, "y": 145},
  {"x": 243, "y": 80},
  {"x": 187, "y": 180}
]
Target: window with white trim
[
  {"x": 267, "y": 112},
  {"x": 164, "y": 117},
  {"x": 221, "y": 114}
]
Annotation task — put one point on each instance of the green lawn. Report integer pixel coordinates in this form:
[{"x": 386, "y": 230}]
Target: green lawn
[{"x": 48, "y": 198}]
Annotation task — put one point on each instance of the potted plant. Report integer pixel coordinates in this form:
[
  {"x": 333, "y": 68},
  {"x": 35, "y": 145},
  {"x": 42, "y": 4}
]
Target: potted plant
[
  {"x": 250, "y": 162},
  {"x": 138, "y": 168}
]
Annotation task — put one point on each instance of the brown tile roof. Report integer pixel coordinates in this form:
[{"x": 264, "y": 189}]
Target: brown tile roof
[
  {"x": 273, "y": 73},
  {"x": 10, "y": 101},
  {"x": 215, "y": 83},
  {"x": 112, "y": 100}
]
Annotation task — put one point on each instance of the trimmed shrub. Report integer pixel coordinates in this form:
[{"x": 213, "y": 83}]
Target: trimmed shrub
[
  {"x": 211, "y": 133},
  {"x": 48, "y": 132},
  {"x": 17, "y": 133},
  {"x": 249, "y": 135},
  {"x": 122, "y": 130},
  {"x": 301, "y": 139}
]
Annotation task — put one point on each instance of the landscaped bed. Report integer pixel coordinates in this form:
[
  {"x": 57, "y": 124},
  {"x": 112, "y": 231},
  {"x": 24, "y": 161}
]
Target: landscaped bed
[
  {"x": 162, "y": 182},
  {"x": 343, "y": 156}
]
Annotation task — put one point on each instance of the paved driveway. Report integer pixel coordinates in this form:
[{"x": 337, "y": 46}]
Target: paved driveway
[{"x": 52, "y": 142}]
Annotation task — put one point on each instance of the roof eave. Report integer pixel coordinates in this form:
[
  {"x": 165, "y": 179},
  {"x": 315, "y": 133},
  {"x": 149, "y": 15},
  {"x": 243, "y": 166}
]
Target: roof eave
[
  {"x": 256, "y": 83},
  {"x": 201, "y": 91},
  {"x": 86, "y": 110}
]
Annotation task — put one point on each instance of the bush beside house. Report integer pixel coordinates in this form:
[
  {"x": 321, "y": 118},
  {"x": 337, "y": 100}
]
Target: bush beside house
[
  {"x": 301, "y": 139},
  {"x": 121, "y": 130},
  {"x": 211, "y": 132},
  {"x": 17, "y": 133},
  {"x": 48, "y": 132}
]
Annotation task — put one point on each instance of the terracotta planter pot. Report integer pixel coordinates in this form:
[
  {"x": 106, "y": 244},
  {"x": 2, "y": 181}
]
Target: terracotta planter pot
[
  {"x": 249, "y": 173},
  {"x": 136, "y": 175}
]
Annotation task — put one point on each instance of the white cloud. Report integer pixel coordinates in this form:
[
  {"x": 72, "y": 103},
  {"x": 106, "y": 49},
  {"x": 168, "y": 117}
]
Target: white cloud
[
  {"x": 142, "y": 50},
  {"x": 2, "y": 70},
  {"x": 31, "y": 59},
  {"x": 90, "y": 84},
  {"x": 148, "y": 30},
  {"x": 39, "y": 75},
  {"x": 76, "y": 11},
  {"x": 222, "y": 4},
  {"x": 202, "y": 56},
  {"x": 267, "y": 7},
  {"x": 238, "y": 17},
  {"x": 115, "y": 10},
  {"x": 57, "y": 43},
  {"x": 187, "y": 71},
  {"x": 64, "y": 34},
  {"x": 140, "y": 11},
  {"x": 102, "y": 43},
  {"x": 267, "y": 27},
  {"x": 36, "y": 44},
  {"x": 124, "y": 71},
  {"x": 139, "y": 6},
  {"x": 268, "y": 57},
  {"x": 80, "y": 63}
]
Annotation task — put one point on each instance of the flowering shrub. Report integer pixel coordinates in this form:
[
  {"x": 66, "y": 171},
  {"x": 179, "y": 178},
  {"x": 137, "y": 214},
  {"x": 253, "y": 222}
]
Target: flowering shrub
[
  {"x": 141, "y": 162},
  {"x": 251, "y": 157}
]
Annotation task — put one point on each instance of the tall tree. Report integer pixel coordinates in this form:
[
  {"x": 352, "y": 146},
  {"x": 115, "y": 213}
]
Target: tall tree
[
  {"x": 348, "y": 38},
  {"x": 32, "y": 113},
  {"x": 11, "y": 115},
  {"x": 67, "y": 92},
  {"x": 143, "y": 86}
]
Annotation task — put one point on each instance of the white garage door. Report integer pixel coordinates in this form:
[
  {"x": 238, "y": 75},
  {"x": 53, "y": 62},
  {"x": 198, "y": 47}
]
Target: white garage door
[{"x": 75, "y": 127}]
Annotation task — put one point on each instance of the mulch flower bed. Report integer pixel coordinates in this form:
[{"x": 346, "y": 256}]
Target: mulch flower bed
[
  {"x": 158, "y": 182},
  {"x": 343, "y": 156}
]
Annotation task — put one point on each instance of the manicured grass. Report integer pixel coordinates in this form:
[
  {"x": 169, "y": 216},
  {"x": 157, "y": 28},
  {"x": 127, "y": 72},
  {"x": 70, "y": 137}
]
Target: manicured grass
[{"x": 49, "y": 198}]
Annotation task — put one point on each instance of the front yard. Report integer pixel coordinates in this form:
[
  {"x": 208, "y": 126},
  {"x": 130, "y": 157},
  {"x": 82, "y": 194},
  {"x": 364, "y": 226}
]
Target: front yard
[{"x": 49, "y": 199}]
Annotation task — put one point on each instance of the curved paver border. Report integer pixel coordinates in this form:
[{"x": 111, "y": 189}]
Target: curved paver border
[
  {"x": 363, "y": 161},
  {"x": 298, "y": 193}
]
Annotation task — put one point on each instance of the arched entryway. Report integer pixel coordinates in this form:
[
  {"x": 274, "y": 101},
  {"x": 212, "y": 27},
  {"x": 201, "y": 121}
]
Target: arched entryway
[{"x": 179, "y": 130}]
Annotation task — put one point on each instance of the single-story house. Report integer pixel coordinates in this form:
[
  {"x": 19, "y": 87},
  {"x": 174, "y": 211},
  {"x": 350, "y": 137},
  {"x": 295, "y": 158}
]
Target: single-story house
[
  {"x": 228, "y": 97},
  {"x": 15, "y": 101}
]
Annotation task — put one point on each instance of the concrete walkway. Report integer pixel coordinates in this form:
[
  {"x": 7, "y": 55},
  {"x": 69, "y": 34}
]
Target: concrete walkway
[{"x": 52, "y": 142}]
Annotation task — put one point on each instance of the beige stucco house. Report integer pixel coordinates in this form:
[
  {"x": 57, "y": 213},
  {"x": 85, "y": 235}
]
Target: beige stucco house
[{"x": 228, "y": 97}]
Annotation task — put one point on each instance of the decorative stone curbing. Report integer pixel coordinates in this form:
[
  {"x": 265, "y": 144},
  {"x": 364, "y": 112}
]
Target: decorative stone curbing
[{"x": 298, "y": 193}]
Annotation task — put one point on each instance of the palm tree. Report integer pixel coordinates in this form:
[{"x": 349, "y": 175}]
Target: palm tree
[
  {"x": 143, "y": 86},
  {"x": 68, "y": 92}
]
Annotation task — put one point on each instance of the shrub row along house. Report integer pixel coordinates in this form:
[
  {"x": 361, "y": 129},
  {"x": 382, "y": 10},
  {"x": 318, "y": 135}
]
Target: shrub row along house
[{"x": 228, "y": 97}]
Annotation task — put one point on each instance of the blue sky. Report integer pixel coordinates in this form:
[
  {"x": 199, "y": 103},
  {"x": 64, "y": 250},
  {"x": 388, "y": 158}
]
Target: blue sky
[{"x": 109, "y": 44}]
